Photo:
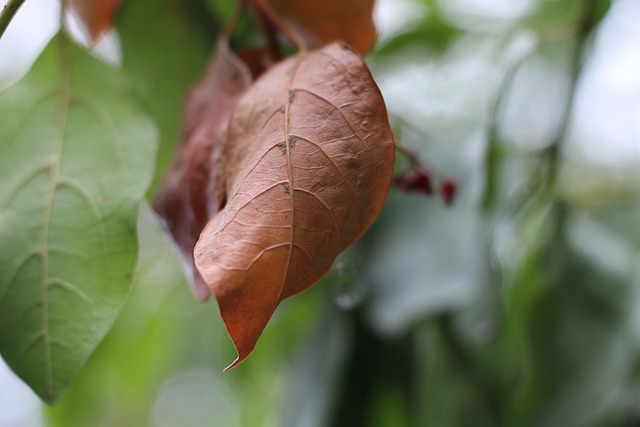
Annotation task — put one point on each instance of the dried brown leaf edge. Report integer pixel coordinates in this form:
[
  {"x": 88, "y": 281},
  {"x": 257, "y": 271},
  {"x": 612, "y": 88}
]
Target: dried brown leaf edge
[{"x": 193, "y": 188}]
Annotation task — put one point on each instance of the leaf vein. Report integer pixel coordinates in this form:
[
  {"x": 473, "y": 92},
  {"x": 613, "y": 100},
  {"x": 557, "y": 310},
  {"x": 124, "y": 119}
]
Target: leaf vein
[
  {"x": 68, "y": 286},
  {"x": 84, "y": 195}
]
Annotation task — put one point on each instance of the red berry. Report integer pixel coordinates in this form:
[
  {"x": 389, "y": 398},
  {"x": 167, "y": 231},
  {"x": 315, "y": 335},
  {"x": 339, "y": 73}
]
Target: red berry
[
  {"x": 447, "y": 190},
  {"x": 421, "y": 182}
]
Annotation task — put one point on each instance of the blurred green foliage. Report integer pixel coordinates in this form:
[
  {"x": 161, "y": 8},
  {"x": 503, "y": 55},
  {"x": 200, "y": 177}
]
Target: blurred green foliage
[{"x": 517, "y": 306}]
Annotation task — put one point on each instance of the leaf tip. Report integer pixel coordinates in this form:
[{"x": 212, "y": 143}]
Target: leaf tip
[
  {"x": 243, "y": 348},
  {"x": 47, "y": 393},
  {"x": 233, "y": 365},
  {"x": 49, "y": 399}
]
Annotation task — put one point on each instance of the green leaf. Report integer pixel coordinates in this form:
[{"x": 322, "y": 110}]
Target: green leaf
[
  {"x": 76, "y": 155},
  {"x": 166, "y": 44},
  {"x": 432, "y": 35},
  {"x": 140, "y": 353}
]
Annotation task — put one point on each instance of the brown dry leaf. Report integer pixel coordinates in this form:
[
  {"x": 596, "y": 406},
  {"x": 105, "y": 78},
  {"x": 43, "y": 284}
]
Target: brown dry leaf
[
  {"x": 96, "y": 15},
  {"x": 193, "y": 189},
  {"x": 309, "y": 162},
  {"x": 329, "y": 20}
]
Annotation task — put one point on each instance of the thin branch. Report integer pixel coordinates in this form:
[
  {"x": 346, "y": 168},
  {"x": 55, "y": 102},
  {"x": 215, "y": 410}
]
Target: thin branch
[
  {"x": 555, "y": 254},
  {"x": 265, "y": 8},
  {"x": 487, "y": 391},
  {"x": 587, "y": 23},
  {"x": 408, "y": 153},
  {"x": 7, "y": 14},
  {"x": 493, "y": 156},
  {"x": 233, "y": 21},
  {"x": 270, "y": 32}
]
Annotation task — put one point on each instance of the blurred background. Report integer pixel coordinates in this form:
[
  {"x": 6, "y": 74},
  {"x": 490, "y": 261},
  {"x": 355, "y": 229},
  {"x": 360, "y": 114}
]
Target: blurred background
[{"x": 518, "y": 305}]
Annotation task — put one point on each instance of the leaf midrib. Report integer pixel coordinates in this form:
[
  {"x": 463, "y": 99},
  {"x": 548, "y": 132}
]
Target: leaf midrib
[
  {"x": 290, "y": 91},
  {"x": 64, "y": 100}
]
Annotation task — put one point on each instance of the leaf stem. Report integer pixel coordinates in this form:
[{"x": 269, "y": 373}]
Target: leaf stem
[
  {"x": 493, "y": 156},
  {"x": 7, "y": 14},
  {"x": 270, "y": 31},
  {"x": 486, "y": 390},
  {"x": 228, "y": 26},
  {"x": 271, "y": 15},
  {"x": 587, "y": 23},
  {"x": 408, "y": 153}
]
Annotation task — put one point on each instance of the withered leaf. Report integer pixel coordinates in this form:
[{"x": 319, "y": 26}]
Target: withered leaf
[
  {"x": 193, "y": 189},
  {"x": 309, "y": 162},
  {"x": 95, "y": 15},
  {"x": 329, "y": 20}
]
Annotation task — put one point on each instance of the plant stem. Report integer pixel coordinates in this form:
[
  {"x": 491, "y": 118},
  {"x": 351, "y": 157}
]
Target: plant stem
[
  {"x": 555, "y": 256},
  {"x": 408, "y": 153},
  {"x": 279, "y": 23},
  {"x": 493, "y": 156},
  {"x": 270, "y": 32},
  {"x": 228, "y": 26},
  {"x": 588, "y": 21},
  {"x": 8, "y": 13},
  {"x": 487, "y": 391}
]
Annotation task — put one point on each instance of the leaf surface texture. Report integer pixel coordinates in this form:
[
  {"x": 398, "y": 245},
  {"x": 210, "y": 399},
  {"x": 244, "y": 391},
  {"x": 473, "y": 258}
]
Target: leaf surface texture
[
  {"x": 76, "y": 155},
  {"x": 309, "y": 159}
]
